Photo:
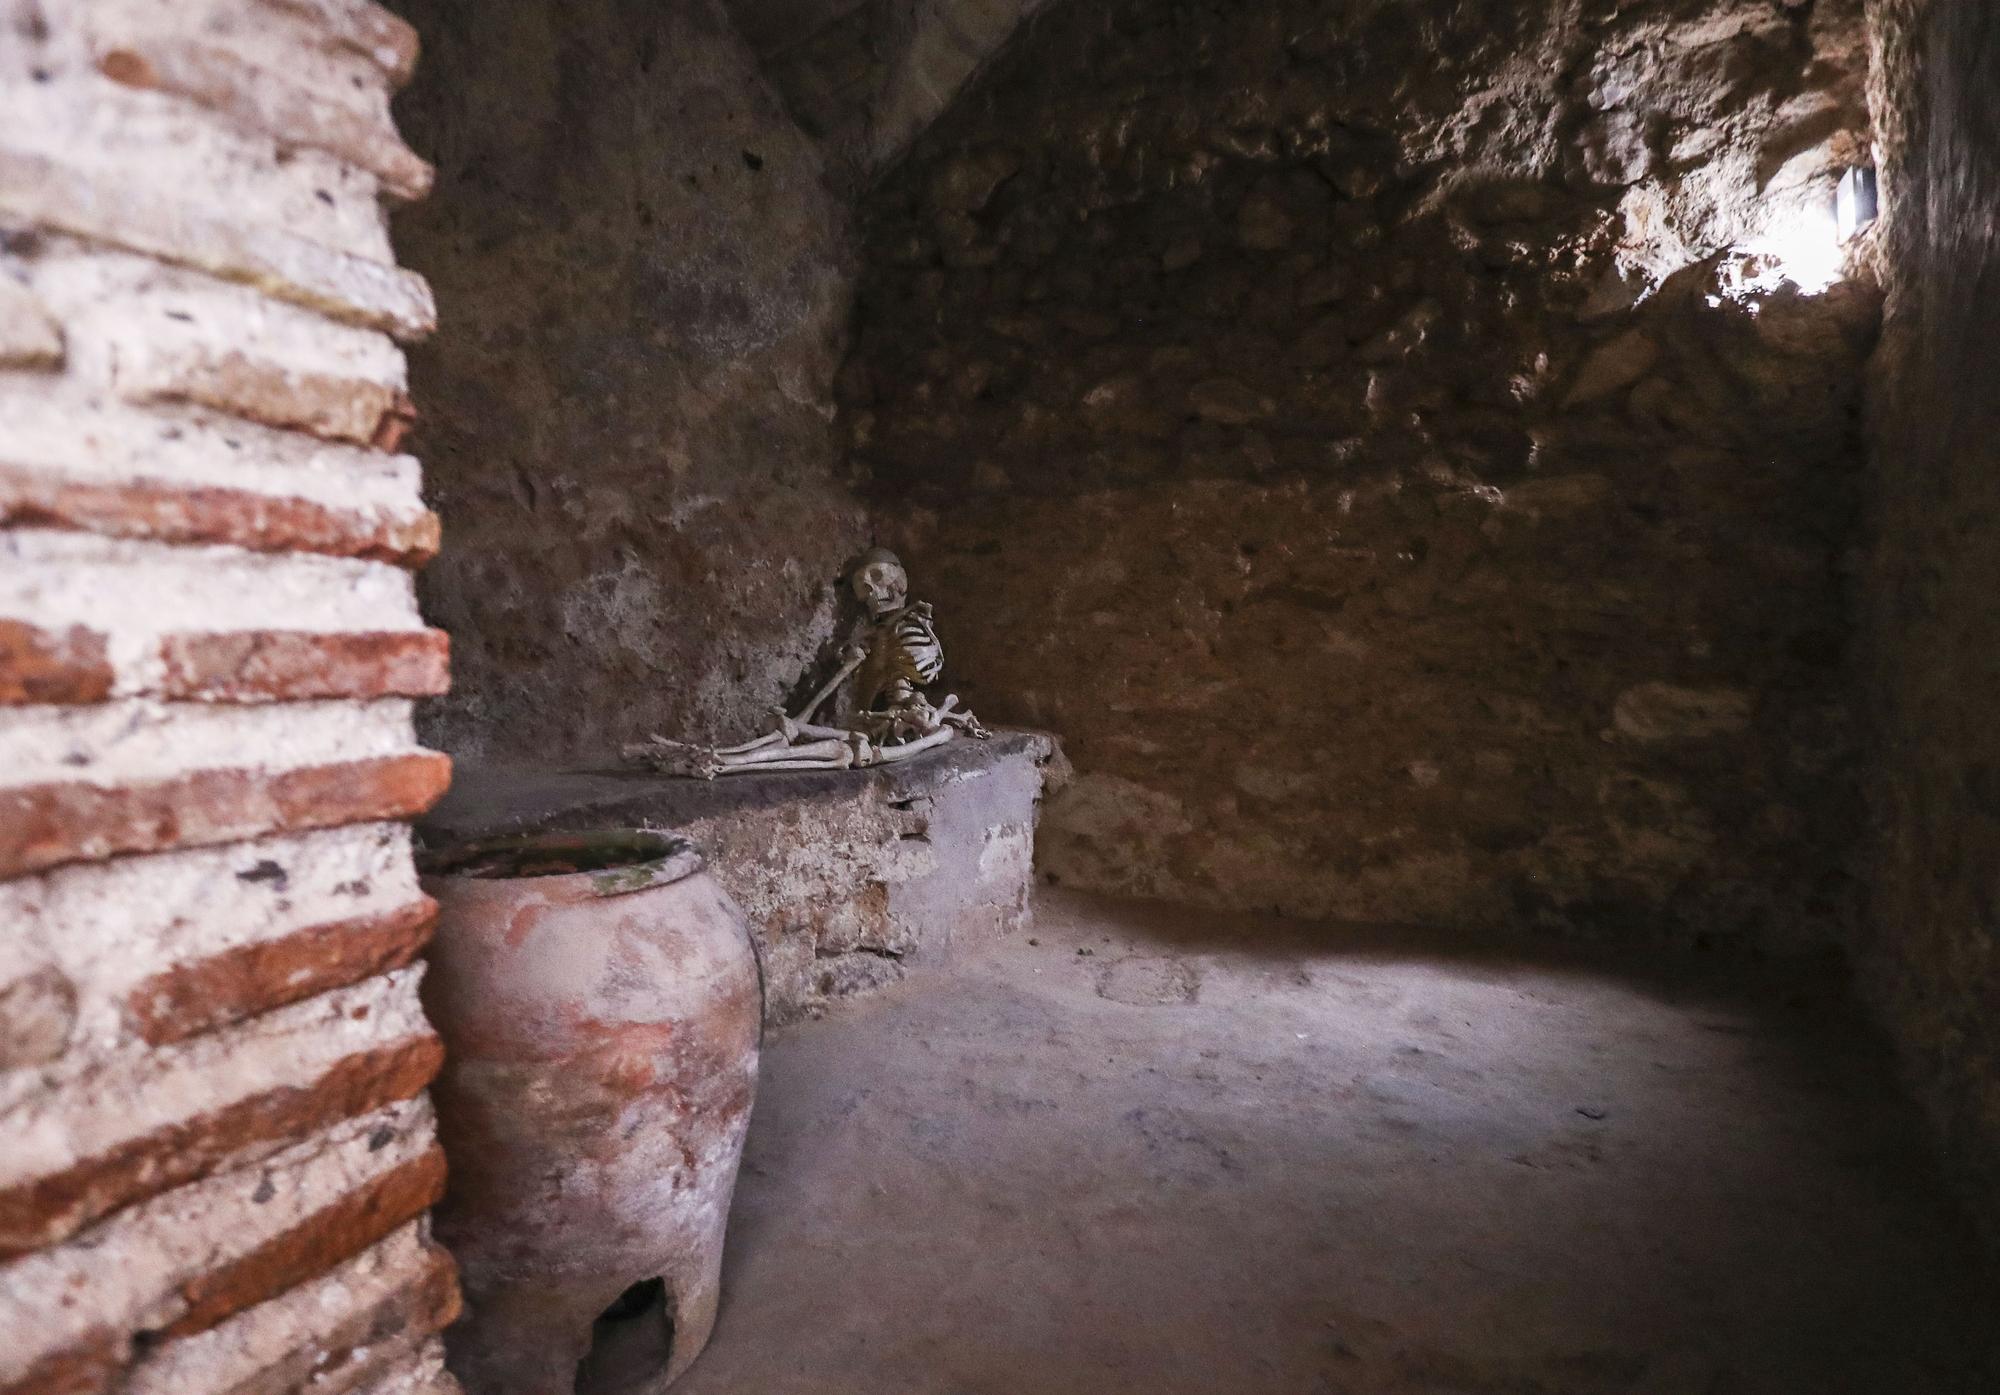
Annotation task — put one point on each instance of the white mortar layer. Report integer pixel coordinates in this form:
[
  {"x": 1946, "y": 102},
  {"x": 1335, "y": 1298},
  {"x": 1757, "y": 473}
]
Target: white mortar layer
[
  {"x": 424, "y": 1375},
  {"x": 80, "y": 1107},
  {"x": 135, "y": 592},
  {"x": 75, "y": 432},
  {"x": 277, "y": 46},
  {"x": 109, "y": 926},
  {"x": 162, "y": 142},
  {"x": 132, "y": 324},
  {"x": 217, "y": 1361},
  {"x": 123, "y": 742},
  {"x": 130, "y": 1267}
]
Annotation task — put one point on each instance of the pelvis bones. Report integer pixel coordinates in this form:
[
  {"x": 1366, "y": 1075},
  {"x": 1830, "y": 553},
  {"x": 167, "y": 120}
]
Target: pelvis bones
[{"x": 896, "y": 658}]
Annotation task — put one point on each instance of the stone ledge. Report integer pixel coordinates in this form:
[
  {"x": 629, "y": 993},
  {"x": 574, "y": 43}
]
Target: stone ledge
[{"x": 848, "y": 878}]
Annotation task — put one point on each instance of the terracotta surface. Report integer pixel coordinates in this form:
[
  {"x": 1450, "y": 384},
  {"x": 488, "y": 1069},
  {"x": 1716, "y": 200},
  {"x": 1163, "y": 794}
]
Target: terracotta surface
[{"x": 602, "y": 1030}]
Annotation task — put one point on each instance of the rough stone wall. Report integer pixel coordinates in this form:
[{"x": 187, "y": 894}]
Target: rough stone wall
[
  {"x": 218, "y": 1153},
  {"x": 628, "y": 429},
  {"x": 1376, "y": 438},
  {"x": 1931, "y": 627}
]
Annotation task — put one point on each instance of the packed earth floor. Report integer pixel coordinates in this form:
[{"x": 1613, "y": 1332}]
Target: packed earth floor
[{"x": 1140, "y": 1149}]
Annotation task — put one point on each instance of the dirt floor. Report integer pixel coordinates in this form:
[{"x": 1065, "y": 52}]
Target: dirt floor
[{"x": 1148, "y": 1150}]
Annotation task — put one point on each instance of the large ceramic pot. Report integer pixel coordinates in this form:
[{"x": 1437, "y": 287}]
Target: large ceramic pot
[{"x": 600, "y": 1004}]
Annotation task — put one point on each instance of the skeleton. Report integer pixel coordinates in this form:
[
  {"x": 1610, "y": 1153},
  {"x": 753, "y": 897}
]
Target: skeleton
[{"x": 897, "y": 657}]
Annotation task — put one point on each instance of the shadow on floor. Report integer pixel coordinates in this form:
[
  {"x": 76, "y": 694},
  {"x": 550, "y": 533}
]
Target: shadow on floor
[{"x": 1147, "y": 1149}]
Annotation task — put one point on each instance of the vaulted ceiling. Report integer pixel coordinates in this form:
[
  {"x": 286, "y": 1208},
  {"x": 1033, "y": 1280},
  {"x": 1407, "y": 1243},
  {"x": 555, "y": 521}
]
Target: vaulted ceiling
[{"x": 865, "y": 76}]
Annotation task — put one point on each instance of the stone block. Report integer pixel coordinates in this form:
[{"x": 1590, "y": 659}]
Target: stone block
[
  {"x": 1611, "y": 366},
  {"x": 1669, "y": 711},
  {"x": 1229, "y": 402},
  {"x": 849, "y": 878}
]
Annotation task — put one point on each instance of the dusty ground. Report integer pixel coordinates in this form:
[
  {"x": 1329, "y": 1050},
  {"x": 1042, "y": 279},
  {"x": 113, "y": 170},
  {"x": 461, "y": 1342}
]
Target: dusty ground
[{"x": 1160, "y": 1151}]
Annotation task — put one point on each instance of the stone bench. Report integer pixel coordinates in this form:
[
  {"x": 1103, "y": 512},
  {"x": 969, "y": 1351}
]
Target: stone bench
[{"x": 849, "y": 878}]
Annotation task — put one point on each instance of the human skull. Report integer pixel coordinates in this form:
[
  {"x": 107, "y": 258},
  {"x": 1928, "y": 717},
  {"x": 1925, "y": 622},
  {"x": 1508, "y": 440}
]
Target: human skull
[{"x": 879, "y": 582}]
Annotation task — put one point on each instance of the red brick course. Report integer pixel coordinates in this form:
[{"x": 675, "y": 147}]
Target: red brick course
[
  {"x": 175, "y": 513},
  {"x": 426, "y": 1304},
  {"x": 325, "y": 405},
  {"x": 47, "y": 825},
  {"x": 294, "y": 665},
  {"x": 50, "y": 1209},
  {"x": 54, "y": 666},
  {"x": 189, "y": 999},
  {"x": 323, "y": 1240},
  {"x": 180, "y": 228},
  {"x": 95, "y": 1367}
]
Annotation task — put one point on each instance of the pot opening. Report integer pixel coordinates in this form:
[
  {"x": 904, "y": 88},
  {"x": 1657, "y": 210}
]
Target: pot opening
[
  {"x": 556, "y": 854},
  {"x": 631, "y": 1343}
]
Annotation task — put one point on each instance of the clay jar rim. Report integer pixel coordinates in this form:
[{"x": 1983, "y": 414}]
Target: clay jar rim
[{"x": 600, "y": 862}]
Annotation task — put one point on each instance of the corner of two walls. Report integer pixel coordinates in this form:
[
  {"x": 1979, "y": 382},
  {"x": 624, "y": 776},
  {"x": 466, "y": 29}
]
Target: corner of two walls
[
  {"x": 218, "y": 1151},
  {"x": 1377, "y": 443},
  {"x": 641, "y": 241},
  {"x": 629, "y": 427},
  {"x": 1930, "y": 626}
]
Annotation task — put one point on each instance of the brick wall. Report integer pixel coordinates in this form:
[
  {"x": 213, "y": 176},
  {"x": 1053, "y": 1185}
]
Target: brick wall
[{"x": 218, "y": 1151}]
